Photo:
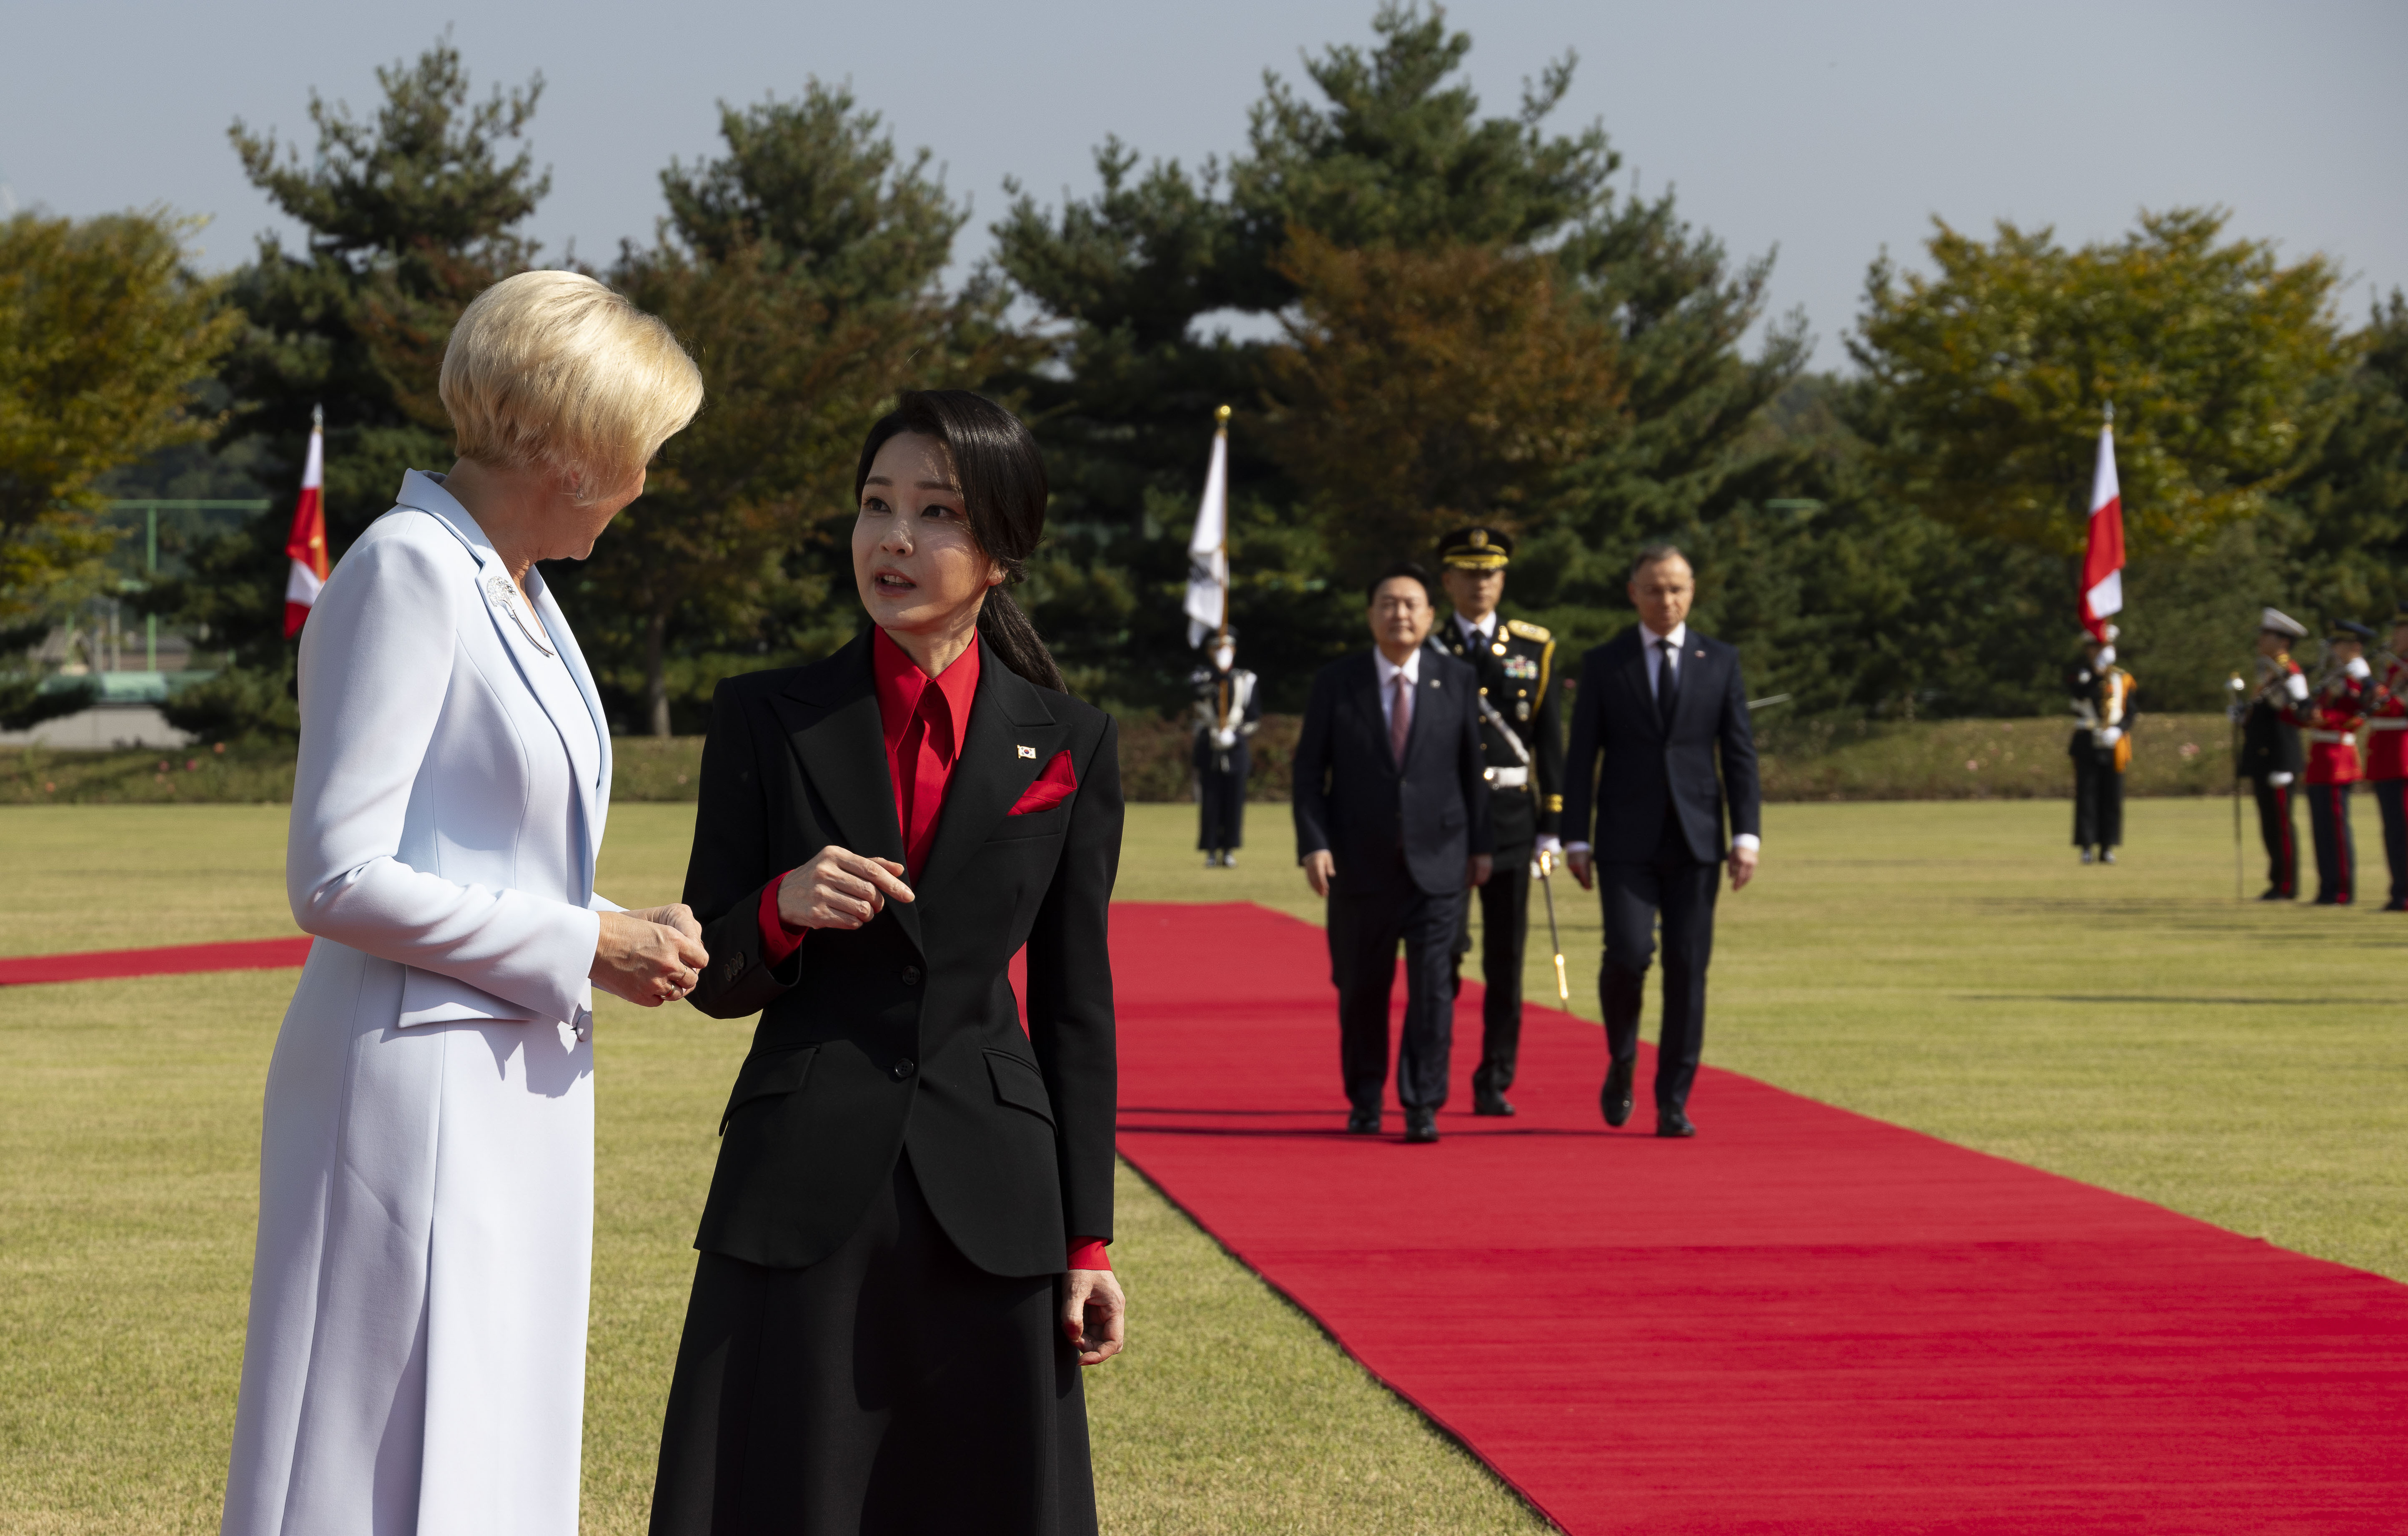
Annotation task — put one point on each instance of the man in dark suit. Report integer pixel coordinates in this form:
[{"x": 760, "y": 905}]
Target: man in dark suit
[
  {"x": 1655, "y": 706},
  {"x": 1392, "y": 827}
]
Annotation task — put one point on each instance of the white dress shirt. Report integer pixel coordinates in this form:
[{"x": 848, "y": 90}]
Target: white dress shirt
[
  {"x": 1388, "y": 670},
  {"x": 1482, "y": 633}
]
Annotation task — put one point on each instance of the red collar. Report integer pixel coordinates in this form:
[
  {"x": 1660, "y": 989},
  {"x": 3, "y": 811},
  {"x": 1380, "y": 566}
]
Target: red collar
[{"x": 900, "y": 685}]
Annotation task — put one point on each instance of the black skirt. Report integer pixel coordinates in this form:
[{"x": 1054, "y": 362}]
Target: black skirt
[{"x": 893, "y": 1388}]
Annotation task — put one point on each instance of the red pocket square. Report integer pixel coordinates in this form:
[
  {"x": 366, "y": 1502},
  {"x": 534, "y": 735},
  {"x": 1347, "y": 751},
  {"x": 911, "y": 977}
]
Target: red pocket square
[{"x": 1052, "y": 787}]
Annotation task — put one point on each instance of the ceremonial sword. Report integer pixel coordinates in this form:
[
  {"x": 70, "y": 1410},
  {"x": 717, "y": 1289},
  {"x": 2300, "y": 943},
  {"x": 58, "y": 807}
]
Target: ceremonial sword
[{"x": 1546, "y": 886}]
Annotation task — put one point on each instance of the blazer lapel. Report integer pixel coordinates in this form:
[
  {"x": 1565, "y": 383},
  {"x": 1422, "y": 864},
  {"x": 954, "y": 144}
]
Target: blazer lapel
[
  {"x": 830, "y": 712},
  {"x": 1011, "y": 736},
  {"x": 1634, "y": 673},
  {"x": 538, "y": 646},
  {"x": 1373, "y": 709}
]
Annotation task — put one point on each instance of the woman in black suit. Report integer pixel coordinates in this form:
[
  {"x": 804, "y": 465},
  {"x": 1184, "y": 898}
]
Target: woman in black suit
[{"x": 902, "y": 1263}]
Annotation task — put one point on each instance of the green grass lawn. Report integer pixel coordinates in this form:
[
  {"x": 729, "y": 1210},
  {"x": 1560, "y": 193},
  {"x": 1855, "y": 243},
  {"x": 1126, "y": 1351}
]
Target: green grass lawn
[{"x": 1948, "y": 967}]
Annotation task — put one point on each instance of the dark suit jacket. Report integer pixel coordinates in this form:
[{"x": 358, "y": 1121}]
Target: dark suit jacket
[
  {"x": 905, "y": 1032},
  {"x": 1351, "y": 800},
  {"x": 1622, "y": 771}
]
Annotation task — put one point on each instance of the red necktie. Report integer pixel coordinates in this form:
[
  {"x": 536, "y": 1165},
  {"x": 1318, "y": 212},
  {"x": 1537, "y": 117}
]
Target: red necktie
[
  {"x": 1400, "y": 718},
  {"x": 931, "y": 756}
]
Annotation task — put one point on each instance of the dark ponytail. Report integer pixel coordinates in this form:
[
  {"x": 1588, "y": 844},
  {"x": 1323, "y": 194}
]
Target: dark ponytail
[{"x": 1003, "y": 490}]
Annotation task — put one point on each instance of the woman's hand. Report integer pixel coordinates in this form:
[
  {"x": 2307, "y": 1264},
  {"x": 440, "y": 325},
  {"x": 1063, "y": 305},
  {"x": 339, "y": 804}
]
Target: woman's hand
[
  {"x": 649, "y": 958},
  {"x": 840, "y": 889},
  {"x": 1095, "y": 1314}
]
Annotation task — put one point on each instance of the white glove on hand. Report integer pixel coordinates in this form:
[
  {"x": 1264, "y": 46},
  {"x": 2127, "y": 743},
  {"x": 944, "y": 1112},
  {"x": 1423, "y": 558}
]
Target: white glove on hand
[
  {"x": 1224, "y": 740},
  {"x": 2296, "y": 685},
  {"x": 1550, "y": 843},
  {"x": 2359, "y": 669},
  {"x": 2110, "y": 735},
  {"x": 2278, "y": 780}
]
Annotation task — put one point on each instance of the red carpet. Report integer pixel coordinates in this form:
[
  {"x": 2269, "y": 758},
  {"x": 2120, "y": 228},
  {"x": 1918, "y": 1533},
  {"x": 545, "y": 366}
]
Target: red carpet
[
  {"x": 101, "y": 964},
  {"x": 1803, "y": 1321}
]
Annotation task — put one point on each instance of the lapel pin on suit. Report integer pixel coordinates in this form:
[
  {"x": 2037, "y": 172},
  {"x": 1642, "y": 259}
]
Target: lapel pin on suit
[{"x": 1028, "y": 752}]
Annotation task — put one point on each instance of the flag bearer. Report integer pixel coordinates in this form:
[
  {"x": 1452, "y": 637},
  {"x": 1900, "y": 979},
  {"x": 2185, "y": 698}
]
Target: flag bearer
[
  {"x": 1521, "y": 736},
  {"x": 2269, "y": 747},
  {"x": 1228, "y": 713},
  {"x": 2101, "y": 748},
  {"x": 2329, "y": 720},
  {"x": 2386, "y": 756}
]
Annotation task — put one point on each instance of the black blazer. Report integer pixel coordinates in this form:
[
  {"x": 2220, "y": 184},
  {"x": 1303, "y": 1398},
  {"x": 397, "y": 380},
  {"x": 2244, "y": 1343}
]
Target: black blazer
[
  {"x": 1350, "y": 798},
  {"x": 903, "y": 1033},
  {"x": 1621, "y": 768}
]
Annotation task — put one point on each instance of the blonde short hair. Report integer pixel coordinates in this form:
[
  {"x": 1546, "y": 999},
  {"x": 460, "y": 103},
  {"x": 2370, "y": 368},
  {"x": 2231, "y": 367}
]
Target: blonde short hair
[{"x": 554, "y": 369}]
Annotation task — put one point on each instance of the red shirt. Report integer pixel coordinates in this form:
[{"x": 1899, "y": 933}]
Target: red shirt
[
  {"x": 924, "y": 720},
  {"x": 2387, "y": 724}
]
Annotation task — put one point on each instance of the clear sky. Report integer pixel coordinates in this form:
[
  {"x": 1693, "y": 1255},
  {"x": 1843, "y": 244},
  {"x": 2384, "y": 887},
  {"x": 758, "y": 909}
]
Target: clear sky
[{"x": 1829, "y": 130}]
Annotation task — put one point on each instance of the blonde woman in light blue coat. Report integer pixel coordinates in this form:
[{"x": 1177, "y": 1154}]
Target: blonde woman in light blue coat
[{"x": 415, "y": 1360}]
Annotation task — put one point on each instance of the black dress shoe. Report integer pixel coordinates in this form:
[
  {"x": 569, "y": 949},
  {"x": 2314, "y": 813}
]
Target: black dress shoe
[
  {"x": 1421, "y": 1124},
  {"x": 1490, "y": 1103},
  {"x": 1614, "y": 1098},
  {"x": 1363, "y": 1123},
  {"x": 2396, "y": 906},
  {"x": 1673, "y": 1122},
  {"x": 2270, "y": 894}
]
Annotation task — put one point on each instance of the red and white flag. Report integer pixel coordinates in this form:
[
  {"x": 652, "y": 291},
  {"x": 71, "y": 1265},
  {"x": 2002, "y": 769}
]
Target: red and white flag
[
  {"x": 308, "y": 543},
  {"x": 2102, "y": 562}
]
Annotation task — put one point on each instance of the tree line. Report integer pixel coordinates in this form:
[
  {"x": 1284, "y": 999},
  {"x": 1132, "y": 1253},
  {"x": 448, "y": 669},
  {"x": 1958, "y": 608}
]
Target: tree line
[{"x": 1459, "y": 316}]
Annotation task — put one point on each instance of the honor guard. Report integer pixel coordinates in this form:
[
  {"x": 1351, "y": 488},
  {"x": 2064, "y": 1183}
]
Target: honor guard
[
  {"x": 2269, "y": 747},
  {"x": 2101, "y": 748},
  {"x": 2329, "y": 720},
  {"x": 1228, "y": 710},
  {"x": 2386, "y": 755},
  {"x": 1522, "y": 737}
]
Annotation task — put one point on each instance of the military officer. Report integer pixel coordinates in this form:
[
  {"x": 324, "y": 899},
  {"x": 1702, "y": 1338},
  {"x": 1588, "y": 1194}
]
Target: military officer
[
  {"x": 1228, "y": 712},
  {"x": 1522, "y": 737},
  {"x": 2269, "y": 747},
  {"x": 2335, "y": 709},
  {"x": 2101, "y": 748},
  {"x": 2386, "y": 756}
]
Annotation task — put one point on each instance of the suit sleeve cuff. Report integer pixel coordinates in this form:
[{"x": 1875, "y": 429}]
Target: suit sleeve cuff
[
  {"x": 778, "y": 942},
  {"x": 1088, "y": 1254},
  {"x": 1748, "y": 841}
]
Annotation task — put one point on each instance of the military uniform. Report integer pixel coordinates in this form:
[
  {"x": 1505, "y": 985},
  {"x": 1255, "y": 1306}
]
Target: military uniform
[
  {"x": 2329, "y": 722},
  {"x": 2101, "y": 750},
  {"x": 1523, "y": 743},
  {"x": 1228, "y": 712},
  {"x": 2270, "y": 759}
]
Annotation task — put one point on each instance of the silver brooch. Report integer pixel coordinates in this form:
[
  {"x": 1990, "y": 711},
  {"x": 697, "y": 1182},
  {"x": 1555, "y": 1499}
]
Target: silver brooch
[{"x": 504, "y": 594}]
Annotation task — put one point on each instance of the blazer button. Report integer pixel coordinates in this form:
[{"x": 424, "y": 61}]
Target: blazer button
[
  {"x": 903, "y": 1069},
  {"x": 910, "y": 975}
]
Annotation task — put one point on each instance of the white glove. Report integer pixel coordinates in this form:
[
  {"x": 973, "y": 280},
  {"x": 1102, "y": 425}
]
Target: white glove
[
  {"x": 1549, "y": 843},
  {"x": 2359, "y": 669},
  {"x": 2110, "y": 735},
  {"x": 1224, "y": 740},
  {"x": 2278, "y": 780},
  {"x": 2296, "y": 685}
]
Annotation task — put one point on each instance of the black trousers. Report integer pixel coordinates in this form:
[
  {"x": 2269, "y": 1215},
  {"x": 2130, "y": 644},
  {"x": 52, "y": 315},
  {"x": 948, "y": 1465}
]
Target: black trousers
[
  {"x": 1365, "y": 929},
  {"x": 1682, "y": 892},
  {"x": 1222, "y": 801},
  {"x": 2097, "y": 798},
  {"x": 893, "y": 1388},
  {"x": 2280, "y": 834},
  {"x": 2336, "y": 847},
  {"x": 2391, "y": 798},
  {"x": 1504, "y": 937}
]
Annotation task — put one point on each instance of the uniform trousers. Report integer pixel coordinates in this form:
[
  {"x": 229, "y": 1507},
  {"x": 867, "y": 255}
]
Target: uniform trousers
[
  {"x": 1365, "y": 928},
  {"x": 892, "y": 1387},
  {"x": 2391, "y": 798},
  {"x": 2280, "y": 834},
  {"x": 1222, "y": 803},
  {"x": 1676, "y": 886},
  {"x": 2336, "y": 847},
  {"x": 1504, "y": 933},
  {"x": 2097, "y": 798}
]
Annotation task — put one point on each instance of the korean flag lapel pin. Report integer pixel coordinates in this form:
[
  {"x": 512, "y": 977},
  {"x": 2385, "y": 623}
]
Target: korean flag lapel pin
[{"x": 1028, "y": 752}]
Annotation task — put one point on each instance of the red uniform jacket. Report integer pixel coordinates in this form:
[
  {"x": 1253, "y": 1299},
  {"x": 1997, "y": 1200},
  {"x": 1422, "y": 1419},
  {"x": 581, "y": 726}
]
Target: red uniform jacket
[
  {"x": 2329, "y": 724},
  {"x": 2387, "y": 724}
]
